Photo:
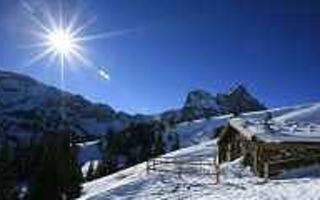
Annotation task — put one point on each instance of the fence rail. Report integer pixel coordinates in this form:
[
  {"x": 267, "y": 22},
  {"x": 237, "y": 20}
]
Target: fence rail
[{"x": 185, "y": 166}]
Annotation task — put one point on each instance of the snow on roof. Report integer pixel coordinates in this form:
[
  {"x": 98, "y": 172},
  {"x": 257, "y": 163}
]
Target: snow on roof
[{"x": 300, "y": 124}]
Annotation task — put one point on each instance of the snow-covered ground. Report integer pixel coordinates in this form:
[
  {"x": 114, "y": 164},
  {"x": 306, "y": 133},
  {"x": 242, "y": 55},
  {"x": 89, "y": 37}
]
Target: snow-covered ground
[
  {"x": 237, "y": 182},
  {"x": 300, "y": 124},
  {"x": 189, "y": 133},
  {"x": 198, "y": 131}
]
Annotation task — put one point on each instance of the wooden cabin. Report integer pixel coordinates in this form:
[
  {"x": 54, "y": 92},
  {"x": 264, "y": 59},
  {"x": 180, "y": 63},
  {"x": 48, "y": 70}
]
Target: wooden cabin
[{"x": 269, "y": 152}]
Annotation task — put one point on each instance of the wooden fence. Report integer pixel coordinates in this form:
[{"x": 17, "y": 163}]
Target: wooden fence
[{"x": 183, "y": 166}]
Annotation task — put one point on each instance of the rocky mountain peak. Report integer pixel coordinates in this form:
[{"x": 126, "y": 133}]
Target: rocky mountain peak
[
  {"x": 200, "y": 98},
  {"x": 222, "y": 102},
  {"x": 239, "y": 89},
  {"x": 241, "y": 100},
  {"x": 202, "y": 104}
]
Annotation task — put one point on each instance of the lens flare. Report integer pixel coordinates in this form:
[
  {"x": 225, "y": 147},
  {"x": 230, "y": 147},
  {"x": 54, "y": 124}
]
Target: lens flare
[{"x": 104, "y": 74}]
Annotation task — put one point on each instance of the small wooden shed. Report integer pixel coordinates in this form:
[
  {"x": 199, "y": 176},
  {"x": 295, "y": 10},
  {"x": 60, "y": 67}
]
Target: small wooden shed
[{"x": 268, "y": 152}]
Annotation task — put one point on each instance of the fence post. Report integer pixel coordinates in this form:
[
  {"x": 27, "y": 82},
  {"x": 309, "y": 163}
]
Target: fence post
[
  {"x": 266, "y": 171},
  {"x": 217, "y": 169},
  {"x": 255, "y": 159},
  {"x": 179, "y": 167},
  {"x": 154, "y": 164},
  {"x": 147, "y": 167}
]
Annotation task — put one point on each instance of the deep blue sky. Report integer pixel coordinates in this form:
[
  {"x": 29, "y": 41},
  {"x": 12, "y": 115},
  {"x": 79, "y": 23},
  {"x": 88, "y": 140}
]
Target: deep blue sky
[{"x": 271, "y": 46}]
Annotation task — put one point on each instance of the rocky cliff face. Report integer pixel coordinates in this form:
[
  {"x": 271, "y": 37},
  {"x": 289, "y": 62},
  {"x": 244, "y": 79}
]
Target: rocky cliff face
[
  {"x": 28, "y": 108},
  {"x": 202, "y": 104},
  {"x": 237, "y": 100}
]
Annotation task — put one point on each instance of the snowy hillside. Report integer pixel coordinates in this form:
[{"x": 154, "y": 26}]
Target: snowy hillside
[
  {"x": 197, "y": 131},
  {"x": 236, "y": 182},
  {"x": 300, "y": 124}
]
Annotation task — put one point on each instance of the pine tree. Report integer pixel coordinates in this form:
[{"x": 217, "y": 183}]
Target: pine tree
[
  {"x": 57, "y": 175},
  {"x": 74, "y": 176},
  {"x": 90, "y": 173},
  {"x": 176, "y": 142},
  {"x": 158, "y": 145},
  {"x": 8, "y": 177},
  {"x": 8, "y": 189},
  {"x": 45, "y": 181}
]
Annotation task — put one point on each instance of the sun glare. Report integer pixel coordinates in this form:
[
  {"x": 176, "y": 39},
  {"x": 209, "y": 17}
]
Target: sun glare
[{"x": 61, "y": 41}]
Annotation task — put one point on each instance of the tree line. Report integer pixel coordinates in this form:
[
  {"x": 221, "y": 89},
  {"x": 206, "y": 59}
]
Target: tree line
[
  {"x": 47, "y": 168},
  {"x": 135, "y": 144},
  {"x": 41, "y": 170}
]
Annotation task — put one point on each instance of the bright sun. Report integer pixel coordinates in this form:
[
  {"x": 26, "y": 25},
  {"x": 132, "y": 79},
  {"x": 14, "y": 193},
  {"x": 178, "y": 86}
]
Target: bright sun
[{"x": 61, "y": 41}]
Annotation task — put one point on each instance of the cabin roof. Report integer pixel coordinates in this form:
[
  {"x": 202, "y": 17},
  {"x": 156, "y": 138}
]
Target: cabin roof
[{"x": 298, "y": 125}]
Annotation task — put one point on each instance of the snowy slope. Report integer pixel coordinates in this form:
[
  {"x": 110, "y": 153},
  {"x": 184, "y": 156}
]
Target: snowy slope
[
  {"x": 237, "y": 182},
  {"x": 189, "y": 133},
  {"x": 309, "y": 114},
  {"x": 300, "y": 124},
  {"x": 195, "y": 132}
]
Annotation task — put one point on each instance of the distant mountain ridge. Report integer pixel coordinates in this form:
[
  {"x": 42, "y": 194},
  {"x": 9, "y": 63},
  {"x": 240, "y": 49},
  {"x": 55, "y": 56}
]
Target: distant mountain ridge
[
  {"x": 237, "y": 100},
  {"x": 202, "y": 104},
  {"x": 29, "y": 107}
]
